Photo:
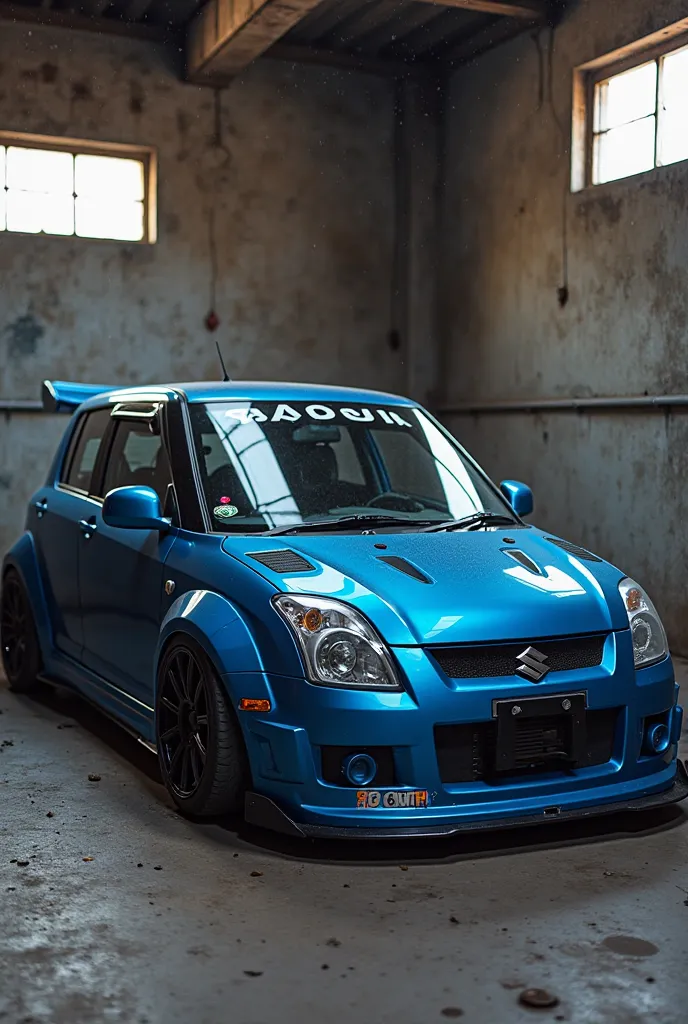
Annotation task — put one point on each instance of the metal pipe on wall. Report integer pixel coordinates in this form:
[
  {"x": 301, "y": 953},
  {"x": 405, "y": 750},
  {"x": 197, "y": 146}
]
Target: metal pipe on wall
[{"x": 537, "y": 405}]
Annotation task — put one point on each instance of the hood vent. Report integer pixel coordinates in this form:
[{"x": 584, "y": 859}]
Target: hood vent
[
  {"x": 282, "y": 561},
  {"x": 573, "y": 549},
  {"x": 523, "y": 559},
  {"x": 403, "y": 566}
]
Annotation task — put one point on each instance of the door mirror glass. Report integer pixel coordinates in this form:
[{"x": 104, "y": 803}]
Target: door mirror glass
[
  {"x": 519, "y": 496},
  {"x": 134, "y": 508}
]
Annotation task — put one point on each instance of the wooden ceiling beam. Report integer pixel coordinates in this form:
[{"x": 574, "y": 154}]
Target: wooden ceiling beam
[
  {"x": 528, "y": 10},
  {"x": 227, "y": 35}
]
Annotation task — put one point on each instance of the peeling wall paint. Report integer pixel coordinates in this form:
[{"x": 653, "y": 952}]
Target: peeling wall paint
[
  {"x": 299, "y": 196},
  {"x": 613, "y": 482}
]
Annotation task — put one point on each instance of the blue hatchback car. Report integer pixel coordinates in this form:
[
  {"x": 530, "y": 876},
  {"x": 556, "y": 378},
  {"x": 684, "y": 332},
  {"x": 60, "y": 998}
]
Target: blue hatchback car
[{"x": 316, "y": 608}]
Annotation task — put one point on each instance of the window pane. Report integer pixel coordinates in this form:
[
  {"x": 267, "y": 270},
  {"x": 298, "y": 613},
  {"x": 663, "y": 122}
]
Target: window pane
[
  {"x": 2, "y": 188},
  {"x": 626, "y": 97},
  {"x": 84, "y": 460},
  {"x": 106, "y": 177},
  {"x": 673, "y": 126},
  {"x": 625, "y": 151},
  {"x": 137, "y": 459},
  {"x": 40, "y": 170},
  {"x": 99, "y": 219},
  {"x": 33, "y": 212}
]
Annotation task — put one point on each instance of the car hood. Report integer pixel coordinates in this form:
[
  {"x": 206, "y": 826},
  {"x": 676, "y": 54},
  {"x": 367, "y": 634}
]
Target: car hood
[{"x": 476, "y": 587}]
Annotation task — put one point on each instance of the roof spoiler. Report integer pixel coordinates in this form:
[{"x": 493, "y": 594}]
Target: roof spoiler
[{"x": 66, "y": 396}]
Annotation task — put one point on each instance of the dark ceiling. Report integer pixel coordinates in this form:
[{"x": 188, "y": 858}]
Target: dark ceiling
[{"x": 395, "y": 31}]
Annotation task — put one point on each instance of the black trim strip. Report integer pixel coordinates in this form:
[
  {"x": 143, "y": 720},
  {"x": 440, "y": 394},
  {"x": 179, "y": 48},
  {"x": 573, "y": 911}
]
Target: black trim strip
[
  {"x": 265, "y": 813},
  {"x": 403, "y": 565}
]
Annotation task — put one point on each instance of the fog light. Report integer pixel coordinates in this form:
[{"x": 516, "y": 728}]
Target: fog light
[
  {"x": 359, "y": 769},
  {"x": 657, "y": 738}
]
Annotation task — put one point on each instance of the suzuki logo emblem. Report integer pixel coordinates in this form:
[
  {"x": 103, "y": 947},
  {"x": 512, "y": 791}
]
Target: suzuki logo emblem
[{"x": 531, "y": 664}]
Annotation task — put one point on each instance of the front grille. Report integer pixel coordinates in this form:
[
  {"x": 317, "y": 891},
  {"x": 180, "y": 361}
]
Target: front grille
[
  {"x": 466, "y": 753},
  {"x": 282, "y": 561},
  {"x": 565, "y": 655}
]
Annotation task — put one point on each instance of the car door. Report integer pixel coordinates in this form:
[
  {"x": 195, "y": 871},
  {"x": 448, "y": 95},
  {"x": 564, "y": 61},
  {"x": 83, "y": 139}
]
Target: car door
[
  {"x": 121, "y": 571},
  {"x": 53, "y": 520}
]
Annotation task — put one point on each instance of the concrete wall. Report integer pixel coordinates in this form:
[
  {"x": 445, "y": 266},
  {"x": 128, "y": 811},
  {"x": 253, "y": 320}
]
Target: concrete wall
[
  {"x": 615, "y": 482},
  {"x": 303, "y": 195}
]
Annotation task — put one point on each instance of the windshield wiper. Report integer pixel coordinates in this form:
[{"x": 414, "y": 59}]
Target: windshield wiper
[
  {"x": 335, "y": 524},
  {"x": 473, "y": 522}
]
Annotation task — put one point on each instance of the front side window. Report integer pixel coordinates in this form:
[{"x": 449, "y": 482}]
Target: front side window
[
  {"x": 79, "y": 464},
  {"x": 268, "y": 464},
  {"x": 138, "y": 458}
]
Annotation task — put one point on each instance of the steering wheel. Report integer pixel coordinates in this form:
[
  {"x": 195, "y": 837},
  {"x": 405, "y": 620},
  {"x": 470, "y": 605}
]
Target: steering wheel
[{"x": 396, "y": 502}]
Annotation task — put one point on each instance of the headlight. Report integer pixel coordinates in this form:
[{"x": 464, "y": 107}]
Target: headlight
[
  {"x": 339, "y": 645},
  {"x": 649, "y": 639}
]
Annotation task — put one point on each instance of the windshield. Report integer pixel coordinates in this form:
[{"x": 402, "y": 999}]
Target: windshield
[{"x": 267, "y": 464}]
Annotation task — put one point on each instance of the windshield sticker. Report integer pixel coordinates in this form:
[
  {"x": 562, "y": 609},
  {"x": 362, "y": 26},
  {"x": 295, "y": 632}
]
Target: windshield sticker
[
  {"x": 320, "y": 413},
  {"x": 372, "y": 798},
  {"x": 225, "y": 511}
]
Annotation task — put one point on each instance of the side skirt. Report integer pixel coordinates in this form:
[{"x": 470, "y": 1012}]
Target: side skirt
[{"x": 128, "y": 712}]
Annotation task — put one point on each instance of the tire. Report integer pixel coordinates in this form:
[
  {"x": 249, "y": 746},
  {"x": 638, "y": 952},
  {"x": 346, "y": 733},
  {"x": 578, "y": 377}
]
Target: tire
[
  {"x": 200, "y": 747},
  {"x": 21, "y": 655}
]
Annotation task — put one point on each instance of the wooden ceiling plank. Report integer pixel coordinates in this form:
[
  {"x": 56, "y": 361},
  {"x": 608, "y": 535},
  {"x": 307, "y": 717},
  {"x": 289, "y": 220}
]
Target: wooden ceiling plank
[
  {"x": 529, "y": 10},
  {"x": 135, "y": 10},
  {"x": 81, "y": 22}
]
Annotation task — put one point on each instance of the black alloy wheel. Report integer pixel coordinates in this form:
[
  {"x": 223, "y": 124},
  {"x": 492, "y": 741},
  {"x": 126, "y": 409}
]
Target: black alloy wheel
[
  {"x": 20, "y": 652},
  {"x": 200, "y": 746},
  {"x": 183, "y": 728}
]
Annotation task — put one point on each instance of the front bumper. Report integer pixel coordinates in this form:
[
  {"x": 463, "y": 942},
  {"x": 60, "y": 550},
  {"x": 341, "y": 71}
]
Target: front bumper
[
  {"x": 292, "y": 791},
  {"x": 263, "y": 812}
]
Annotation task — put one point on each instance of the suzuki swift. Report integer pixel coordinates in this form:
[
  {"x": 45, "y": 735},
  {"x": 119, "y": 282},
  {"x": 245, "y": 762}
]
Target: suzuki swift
[{"x": 315, "y": 607}]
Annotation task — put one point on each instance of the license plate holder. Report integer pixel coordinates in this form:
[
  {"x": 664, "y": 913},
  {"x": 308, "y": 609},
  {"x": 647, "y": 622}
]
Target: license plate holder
[{"x": 567, "y": 709}]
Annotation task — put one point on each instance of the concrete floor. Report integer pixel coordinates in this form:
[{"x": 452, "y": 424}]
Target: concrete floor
[{"x": 127, "y": 912}]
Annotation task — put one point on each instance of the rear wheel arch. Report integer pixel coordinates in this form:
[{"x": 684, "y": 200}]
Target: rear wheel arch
[{"x": 22, "y": 558}]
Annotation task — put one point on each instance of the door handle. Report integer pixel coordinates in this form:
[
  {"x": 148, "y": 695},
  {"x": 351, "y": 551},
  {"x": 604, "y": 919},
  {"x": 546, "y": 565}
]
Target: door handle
[
  {"x": 41, "y": 507},
  {"x": 88, "y": 527}
]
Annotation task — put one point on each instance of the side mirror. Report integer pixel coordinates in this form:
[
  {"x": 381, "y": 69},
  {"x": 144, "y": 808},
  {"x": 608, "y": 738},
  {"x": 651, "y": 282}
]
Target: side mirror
[
  {"x": 134, "y": 508},
  {"x": 519, "y": 496}
]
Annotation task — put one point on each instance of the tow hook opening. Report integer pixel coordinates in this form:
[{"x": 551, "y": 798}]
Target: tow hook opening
[{"x": 551, "y": 812}]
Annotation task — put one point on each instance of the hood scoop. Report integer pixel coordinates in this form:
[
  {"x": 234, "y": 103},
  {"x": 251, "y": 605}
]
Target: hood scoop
[
  {"x": 523, "y": 559},
  {"x": 282, "y": 561},
  {"x": 407, "y": 568},
  {"x": 573, "y": 549}
]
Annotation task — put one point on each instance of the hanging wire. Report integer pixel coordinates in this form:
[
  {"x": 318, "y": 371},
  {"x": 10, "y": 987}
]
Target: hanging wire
[{"x": 563, "y": 290}]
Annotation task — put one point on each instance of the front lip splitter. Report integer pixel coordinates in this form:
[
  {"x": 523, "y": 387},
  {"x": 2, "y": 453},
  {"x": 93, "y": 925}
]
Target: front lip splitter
[{"x": 265, "y": 813}]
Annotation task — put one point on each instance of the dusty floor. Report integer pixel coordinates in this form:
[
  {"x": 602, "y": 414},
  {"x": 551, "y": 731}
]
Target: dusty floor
[{"x": 126, "y": 912}]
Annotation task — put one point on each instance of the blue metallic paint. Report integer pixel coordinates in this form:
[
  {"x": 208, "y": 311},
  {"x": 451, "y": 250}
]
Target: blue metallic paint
[{"x": 105, "y": 637}]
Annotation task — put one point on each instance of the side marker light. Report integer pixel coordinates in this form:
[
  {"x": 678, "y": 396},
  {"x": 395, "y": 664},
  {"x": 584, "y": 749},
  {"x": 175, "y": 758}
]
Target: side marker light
[{"x": 252, "y": 704}]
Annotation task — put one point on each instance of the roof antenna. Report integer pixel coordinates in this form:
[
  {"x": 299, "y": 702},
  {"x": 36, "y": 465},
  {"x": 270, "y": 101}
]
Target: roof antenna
[{"x": 225, "y": 376}]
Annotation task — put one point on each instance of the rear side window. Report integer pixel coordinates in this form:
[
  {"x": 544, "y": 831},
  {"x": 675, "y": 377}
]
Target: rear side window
[{"x": 81, "y": 459}]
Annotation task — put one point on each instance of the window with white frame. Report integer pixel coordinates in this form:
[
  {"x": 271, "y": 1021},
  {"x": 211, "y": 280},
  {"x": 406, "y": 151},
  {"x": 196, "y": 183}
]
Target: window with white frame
[
  {"x": 66, "y": 187},
  {"x": 630, "y": 113}
]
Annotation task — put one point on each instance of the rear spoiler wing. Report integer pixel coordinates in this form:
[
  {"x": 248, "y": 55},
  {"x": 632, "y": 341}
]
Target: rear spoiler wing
[{"x": 66, "y": 396}]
